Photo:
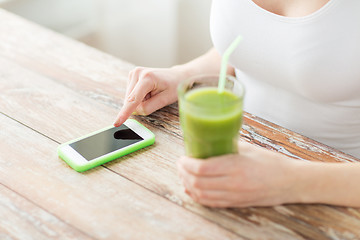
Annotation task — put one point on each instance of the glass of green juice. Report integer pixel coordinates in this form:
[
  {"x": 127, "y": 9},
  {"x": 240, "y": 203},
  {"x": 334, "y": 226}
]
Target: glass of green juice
[{"x": 210, "y": 121}]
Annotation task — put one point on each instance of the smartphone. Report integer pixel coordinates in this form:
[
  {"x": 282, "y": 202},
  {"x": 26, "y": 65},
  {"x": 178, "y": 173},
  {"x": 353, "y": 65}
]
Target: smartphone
[{"x": 105, "y": 145}]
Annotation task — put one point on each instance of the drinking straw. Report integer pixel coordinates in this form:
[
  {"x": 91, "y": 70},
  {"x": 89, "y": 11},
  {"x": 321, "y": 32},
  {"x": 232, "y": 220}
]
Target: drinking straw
[{"x": 224, "y": 63}]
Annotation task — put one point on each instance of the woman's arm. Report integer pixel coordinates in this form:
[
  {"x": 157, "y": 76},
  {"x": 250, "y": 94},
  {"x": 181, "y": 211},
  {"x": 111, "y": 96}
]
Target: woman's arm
[
  {"x": 260, "y": 177},
  {"x": 209, "y": 63},
  {"x": 330, "y": 183}
]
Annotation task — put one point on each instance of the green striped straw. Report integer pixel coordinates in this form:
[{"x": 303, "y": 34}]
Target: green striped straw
[{"x": 224, "y": 63}]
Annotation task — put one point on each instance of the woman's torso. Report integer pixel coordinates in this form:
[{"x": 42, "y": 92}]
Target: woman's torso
[
  {"x": 294, "y": 8},
  {"x": 300, "y": 72}
]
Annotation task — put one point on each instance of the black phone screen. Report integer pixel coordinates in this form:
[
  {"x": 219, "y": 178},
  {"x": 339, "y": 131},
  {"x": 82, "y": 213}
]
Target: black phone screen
[{"x": 105, "y": 142}]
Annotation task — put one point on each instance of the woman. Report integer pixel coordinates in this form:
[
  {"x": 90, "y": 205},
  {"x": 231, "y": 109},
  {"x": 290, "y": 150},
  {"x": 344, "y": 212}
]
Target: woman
[{"x": 300, "y": 63}]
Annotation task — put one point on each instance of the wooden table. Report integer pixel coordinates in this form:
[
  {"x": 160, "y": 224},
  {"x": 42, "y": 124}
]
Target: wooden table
[{"x": 53, "y": 89}]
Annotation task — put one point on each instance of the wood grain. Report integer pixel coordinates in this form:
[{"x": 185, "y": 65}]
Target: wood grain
[
  {"x": 63, "y": 89},
  {"x": 100, "y": 203},
  {"x": 22, "y": 219}
]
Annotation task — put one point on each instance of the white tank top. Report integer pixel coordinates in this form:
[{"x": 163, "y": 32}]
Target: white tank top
[{"x": 302, "y": 73}]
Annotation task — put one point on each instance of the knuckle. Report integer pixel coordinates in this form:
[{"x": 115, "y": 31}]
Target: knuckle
[
  {"x": 193, "y": 195},
  {"x": 137, "y": 69},
  {"x": 201, "y": 194},
  {"x": 196, "y": 195},
  {"x": 200, "y": 168},
  {"x": 195, "y": 183},
  {"x": 147, "y": 76},
  {"x": 134, "y": 71}
]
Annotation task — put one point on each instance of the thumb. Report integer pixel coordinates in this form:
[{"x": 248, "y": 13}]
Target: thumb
[{"x": 154, "y": 103}]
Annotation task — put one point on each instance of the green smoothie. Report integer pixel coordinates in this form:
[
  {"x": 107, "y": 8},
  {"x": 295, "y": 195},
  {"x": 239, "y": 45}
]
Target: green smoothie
[{"x": 210, "y": 122}]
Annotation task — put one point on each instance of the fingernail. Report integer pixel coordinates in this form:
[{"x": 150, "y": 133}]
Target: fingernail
[{"x": 117, "y": 122}]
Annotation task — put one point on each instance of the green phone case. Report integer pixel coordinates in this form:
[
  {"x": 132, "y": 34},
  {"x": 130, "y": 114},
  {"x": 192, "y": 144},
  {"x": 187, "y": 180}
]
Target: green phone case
[{"x": 109, "y": 157}]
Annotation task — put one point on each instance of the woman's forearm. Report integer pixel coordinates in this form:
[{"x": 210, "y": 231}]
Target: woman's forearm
[
  {"x": 209, "y": 63},
  {"x": 329, "y": 183}
]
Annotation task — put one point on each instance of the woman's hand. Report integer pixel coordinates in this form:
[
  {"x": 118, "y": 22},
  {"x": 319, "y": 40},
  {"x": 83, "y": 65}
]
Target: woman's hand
[
  {"x": 150, "y": 89},
  {"x": 254, "y": 177}
]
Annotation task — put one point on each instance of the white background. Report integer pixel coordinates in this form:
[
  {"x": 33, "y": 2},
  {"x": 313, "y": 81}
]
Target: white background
[{"x": 153, "y": 33}]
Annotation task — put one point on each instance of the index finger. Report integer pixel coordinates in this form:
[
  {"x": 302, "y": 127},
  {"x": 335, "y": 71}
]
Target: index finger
[{"x": 141, "y": 89}]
